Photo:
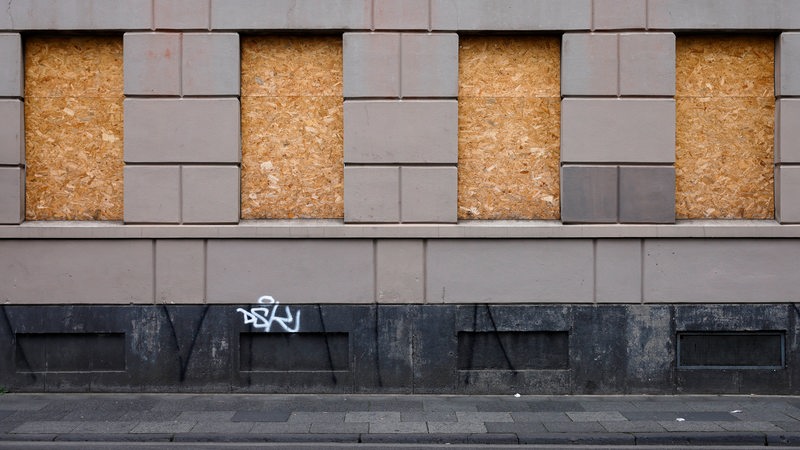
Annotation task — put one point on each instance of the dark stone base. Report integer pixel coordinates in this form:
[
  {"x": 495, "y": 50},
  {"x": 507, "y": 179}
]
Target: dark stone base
[{"x": 474, "y": 349}]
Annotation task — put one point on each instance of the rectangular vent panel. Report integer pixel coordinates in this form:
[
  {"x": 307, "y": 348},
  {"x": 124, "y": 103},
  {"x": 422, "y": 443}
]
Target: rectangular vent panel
[
  {"x": 70, "y": 352},
  {"x": 721, "y": 350}
]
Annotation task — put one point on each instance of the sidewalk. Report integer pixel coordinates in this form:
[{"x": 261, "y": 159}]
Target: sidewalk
[{"x": 399, "y": 419}]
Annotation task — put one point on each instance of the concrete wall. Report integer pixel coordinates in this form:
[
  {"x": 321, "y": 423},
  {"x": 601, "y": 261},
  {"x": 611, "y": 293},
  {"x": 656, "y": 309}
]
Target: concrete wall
[{"x": 617, "y": 255}]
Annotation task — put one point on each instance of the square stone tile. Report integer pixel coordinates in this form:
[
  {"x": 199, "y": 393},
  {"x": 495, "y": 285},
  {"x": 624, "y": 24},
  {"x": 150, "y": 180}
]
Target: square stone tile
[
  {"x": 640, "y": 426},
  {"x": 335, "y": 428},
  {"x": 163, "y": 427},
  {"x": 574, "y": 427},
  {"x": 479, "y": 417},
  {"x": 690, "y": 426},
  {"x": 595, "y": 416},
  {"x": 222, "y": 427},
  {"x": 372, "y": 416},
  {"x": 398, "y": 427},
  {"x": 316, "y": 417},
  {"x": 282, "y": 427},
  {"x": 260, "y": 416},
  {"x": 456, "y": 427}
]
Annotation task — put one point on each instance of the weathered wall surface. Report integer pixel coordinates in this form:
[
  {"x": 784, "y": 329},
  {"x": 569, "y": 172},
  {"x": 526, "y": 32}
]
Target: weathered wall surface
[{"x": 421, "y": 186}]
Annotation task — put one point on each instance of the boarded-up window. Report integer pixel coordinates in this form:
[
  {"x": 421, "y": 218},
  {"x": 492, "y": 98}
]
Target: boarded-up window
[
  {"x": 509, "y": 123},
  {"x": 73, "y": 128},
  {"x": 725, "y": 118},
  {"x": 292, "y": 127}
]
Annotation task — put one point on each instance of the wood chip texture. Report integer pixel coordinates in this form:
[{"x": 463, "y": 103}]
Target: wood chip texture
[
  {"x": 509, "y": 110},
  {"x": 292, "y": 127},
  {"x": 725, "y": 109},
  {"x": 73, "y": 128}
]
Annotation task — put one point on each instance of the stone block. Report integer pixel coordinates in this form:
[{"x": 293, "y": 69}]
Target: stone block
[
  {"x": 619, "y": 271},
  {"x": 390, "y": 132},
  {"x": 400, "y": 271},
  {"x": 787, "y": 65},
  {"x": 152, "y": 63},
  {"x": 210, "y": 64},
  {"x": 720, "y": 270},
  {"x": 152, "y": 194},
  {"x": 180, "y": 271},
  {"x": 647, "y": 64},
  {"x": 199, "y": 130},
  {"x": 723, "y": 14},
  {"x": 618, "y": 130},
  {"x": 787, "y": 131},
  {"x": 371, "y": 66},
  {"x": 510, "y": 15},
  {"x": 80, "y": 15},
  {"x": 371, "y": 194},
  {"x": 429, "y": 65},
  {"x": 12, "y": 132},
  {"x": 467, "y": 271},
  {"x": 429, "y": 194},
  {"x": 210, "y": 194},
  {"x": 76, "y": 271},
  {"x": 401, "y": 14},
  {"x": 12, "y": 195},
  {"x": 619, "y": 14},
  {"x": 787, "y": 194},
  {"x": 647, "y": 194},
  {"x": 241, "y": 271},
  {"x": 291, "y": 14},
  {"x": 589, "y": 194},
  {"x": 182, "y": 14},
  {"x": 589, "y": 64},
  {"x": 11, "y": 72}
]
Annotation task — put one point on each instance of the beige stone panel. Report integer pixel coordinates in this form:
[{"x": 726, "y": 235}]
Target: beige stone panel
[
  {"x": 509, "y": 66},
  {"x": 724, "y": 158},
  {"x": 509, "y": 158}
]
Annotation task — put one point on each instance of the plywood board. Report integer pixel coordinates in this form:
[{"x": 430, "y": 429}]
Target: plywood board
[
  {"x": 73, "y": 128},
  {"x": 291, "y": 66},
  {"x": 723, "y": 164},
  {"x": 725, "y": 66},
  {"x": 725, "y": 110},
  {"x": 509, "y": 128},
  {"x": 292, "y": 127},
  {"x": 509, "y": 66}
]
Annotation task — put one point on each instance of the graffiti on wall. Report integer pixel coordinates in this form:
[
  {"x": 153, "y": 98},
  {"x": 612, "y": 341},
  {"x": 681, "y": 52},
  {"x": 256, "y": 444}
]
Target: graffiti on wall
[{"x": 264, "y": 316}]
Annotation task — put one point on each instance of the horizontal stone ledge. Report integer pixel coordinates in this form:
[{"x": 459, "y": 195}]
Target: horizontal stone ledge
[{"x": 336, "y": 229}]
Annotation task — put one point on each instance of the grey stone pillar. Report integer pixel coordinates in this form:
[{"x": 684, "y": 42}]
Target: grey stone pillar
[
  {"x": 618, "y": 123},
  {"x": 182, "y": 127},
  {"x": 12, "y": 131}
]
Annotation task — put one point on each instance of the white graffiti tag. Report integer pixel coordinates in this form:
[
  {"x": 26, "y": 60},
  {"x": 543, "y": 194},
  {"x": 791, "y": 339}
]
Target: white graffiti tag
[{"x": 263, "y": 317}]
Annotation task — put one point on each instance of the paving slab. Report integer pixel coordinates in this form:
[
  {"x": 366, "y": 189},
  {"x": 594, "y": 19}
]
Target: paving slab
[
  {"x": 399, "y": 427},
  {"x": 456, "y": 427},
  {"x": 163, "y": 427}
]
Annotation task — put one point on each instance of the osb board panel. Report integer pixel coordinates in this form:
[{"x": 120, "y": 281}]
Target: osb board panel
[
  {"x": 509, "y": 66},
  {"x": 725, "y": 66},
  {"x": 509, "y": 128},
  {"x": 292, "y": 66},
  {"x": 508, "y": 158},
  {"x": 292, "y": 128},
  {"x": 724, "y": 157},
  {"x": 73, "y": 128}
]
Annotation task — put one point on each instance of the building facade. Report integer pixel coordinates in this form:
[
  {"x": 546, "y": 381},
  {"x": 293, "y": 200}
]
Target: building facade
[{"x": 406, "y": 196}]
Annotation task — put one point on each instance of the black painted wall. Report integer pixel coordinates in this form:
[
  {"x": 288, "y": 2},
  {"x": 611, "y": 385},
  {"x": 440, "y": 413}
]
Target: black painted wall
[{"x": 503, "y": 349}]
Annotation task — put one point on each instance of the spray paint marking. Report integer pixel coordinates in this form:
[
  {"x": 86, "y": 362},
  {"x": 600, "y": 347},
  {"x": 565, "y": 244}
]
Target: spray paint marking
[{"x": 262, "y": 317}]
